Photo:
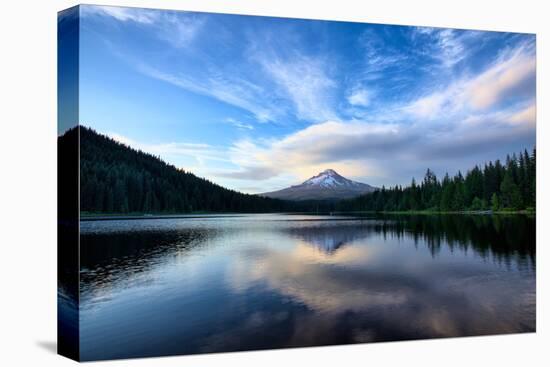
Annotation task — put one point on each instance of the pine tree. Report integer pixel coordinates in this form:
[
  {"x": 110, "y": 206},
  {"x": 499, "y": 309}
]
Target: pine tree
[
  {"x": 477, "y": 204},
  {"x": 447, "y": 197},
  {"x": 511, "y": 197},
  {"x": 495, "y": 202}
]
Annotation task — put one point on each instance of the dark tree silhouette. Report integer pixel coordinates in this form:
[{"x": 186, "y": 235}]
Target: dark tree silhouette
[{"x": 496, "y": 187}]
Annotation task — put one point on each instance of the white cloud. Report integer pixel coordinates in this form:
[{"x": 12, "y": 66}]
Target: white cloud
[
  {"x": 446, "y": 102},
  {"x": 359, "y": 97}
]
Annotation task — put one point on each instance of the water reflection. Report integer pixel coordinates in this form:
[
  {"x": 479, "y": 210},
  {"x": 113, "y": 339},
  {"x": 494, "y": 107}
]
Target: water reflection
[
  {"x": 127, "y": 259},
  {"x": 257, "y": 282},
  {"x": 330, "y": 236}
]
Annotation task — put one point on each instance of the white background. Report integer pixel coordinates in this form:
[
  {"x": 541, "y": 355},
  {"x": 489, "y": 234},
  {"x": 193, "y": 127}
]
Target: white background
[{"x": 28, "y": 183}]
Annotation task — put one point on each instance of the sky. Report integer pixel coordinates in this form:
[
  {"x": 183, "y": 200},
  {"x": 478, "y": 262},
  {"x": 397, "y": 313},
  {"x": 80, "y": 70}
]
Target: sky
[{"x": 257, "y": 104}]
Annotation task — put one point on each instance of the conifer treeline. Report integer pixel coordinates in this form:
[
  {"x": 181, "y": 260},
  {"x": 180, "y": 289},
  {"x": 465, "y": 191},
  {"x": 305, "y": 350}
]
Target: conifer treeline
[
  {"x": 495, "y": 186},
  {"x": 117, "y": 179}
]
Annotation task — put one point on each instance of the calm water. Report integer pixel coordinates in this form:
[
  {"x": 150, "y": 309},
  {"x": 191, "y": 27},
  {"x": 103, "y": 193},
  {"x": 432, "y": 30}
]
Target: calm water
[{"x": 178, "y": 286}]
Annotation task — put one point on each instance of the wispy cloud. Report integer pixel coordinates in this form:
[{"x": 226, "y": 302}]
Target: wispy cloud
[
  {"x": 509, "y": 79},
  {"x": 378, "y": 55},
  {"x": 229, "y": 89},
  {"x": 512, "y": 74},
  {"x": 196, "y": 155},
  {"x": 451, "y": 49},
  {"x": 446, "y": 101},
  {"x": 138, "y": 15},
  {"x": 305, "y": 82},
  {"x": 239, "y": 124},
  {"x": 526, "y": 116},
  {"x": 447, "y": 46},
  {"x": 178, "y": 28},
  {"x": 380, "y": 63}
]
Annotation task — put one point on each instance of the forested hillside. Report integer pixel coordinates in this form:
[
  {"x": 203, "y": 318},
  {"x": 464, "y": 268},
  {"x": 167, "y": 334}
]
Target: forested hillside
[
  {"x": 495, "y": 186},
  {"x": 117, "y": 179}
]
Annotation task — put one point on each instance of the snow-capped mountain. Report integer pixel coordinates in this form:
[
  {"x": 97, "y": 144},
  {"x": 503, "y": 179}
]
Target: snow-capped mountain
[{"x": 327, "y": 185}]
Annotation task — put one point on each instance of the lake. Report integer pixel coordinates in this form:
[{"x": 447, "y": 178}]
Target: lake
[{"x": 246, "y": 282}]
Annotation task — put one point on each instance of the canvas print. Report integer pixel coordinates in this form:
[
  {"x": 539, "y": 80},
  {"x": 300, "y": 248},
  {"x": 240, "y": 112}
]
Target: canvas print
[{"x": 235, "y": 183}]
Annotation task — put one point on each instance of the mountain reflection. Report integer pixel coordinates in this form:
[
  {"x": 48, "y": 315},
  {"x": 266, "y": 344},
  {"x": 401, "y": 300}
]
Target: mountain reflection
[{"x": 329, "y": 236}]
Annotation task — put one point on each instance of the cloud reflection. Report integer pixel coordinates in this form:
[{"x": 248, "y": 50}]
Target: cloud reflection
[{"x": 358, "y": 287}]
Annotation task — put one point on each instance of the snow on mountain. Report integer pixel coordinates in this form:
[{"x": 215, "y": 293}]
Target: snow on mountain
[
  {"x": 330, "y": 178},
  {"x": 327, "y": 185}
]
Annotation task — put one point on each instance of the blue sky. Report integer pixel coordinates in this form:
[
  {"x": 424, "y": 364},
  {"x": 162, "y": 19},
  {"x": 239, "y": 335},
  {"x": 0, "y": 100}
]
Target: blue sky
[{"x": 258, "y": 103}]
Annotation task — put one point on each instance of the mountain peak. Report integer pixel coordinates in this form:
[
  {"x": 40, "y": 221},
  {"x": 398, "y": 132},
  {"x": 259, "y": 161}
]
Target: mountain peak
[
  {"x": 330, "y": 171},
  {"x": 328, "y": 178},
  {"x": 328, "y": 184}
]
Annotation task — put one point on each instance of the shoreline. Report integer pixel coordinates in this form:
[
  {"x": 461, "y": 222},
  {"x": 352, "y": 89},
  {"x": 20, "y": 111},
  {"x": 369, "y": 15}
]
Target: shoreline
[
  {"x": 137, "y": 216},
  {"x": 101, "y": 217}
]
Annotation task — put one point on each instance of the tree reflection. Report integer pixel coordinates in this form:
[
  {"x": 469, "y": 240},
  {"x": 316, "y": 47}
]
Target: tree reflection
[{"x": 505, "y": 239}]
